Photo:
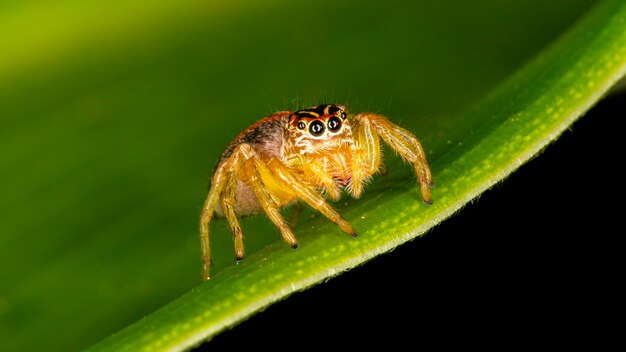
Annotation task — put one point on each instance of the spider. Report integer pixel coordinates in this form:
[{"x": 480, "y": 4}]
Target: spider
[{"x": 305, "y": 155}]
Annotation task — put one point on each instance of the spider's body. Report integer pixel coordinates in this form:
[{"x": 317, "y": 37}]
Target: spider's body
[{"x": 300, "y": 155}]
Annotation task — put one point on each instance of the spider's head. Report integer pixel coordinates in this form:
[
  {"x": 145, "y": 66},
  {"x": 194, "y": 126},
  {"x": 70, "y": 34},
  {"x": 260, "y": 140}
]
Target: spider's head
[{"x": 319, "y": 128}]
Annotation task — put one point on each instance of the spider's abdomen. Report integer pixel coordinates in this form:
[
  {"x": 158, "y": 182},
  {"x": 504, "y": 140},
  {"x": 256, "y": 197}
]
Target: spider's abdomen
[{"x": 265, "y": 136}]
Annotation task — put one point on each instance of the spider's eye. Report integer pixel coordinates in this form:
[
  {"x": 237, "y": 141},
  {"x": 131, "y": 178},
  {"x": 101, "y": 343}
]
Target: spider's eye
[
  {"x": 334, "y": 124},
  {"x": 344, "y": 115},
  {"x": 301, "y": 125},
  {"x": 316, "y": 128}
]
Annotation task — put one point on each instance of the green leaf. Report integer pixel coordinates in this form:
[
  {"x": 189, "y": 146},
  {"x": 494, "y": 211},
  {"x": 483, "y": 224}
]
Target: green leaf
[{"x": 113, "y": 115}]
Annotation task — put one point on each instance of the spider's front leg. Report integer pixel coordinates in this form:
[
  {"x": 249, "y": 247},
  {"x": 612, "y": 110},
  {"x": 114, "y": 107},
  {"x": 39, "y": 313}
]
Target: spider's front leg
[
  {"x": 365, "y": 155},
  {"x": 314, "y": 171},
  {"x": 369, "y": 127},
  {"x": 301, "y": 190},
  {"x": 276, "y": 180}
]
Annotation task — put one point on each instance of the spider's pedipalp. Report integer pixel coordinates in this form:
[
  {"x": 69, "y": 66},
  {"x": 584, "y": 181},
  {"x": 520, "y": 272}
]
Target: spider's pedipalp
[{"x": 314, "y": 170}]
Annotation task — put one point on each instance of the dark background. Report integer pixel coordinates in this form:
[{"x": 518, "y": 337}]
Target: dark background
[{"x": 533, "y": 258}]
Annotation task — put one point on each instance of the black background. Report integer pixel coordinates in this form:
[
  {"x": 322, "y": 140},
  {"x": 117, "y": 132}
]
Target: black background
[{"x": 533, "y": 260}]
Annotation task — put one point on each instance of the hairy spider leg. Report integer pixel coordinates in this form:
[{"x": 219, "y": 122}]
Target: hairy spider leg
[
  {"x": 217, "y": 184},
  {"x": 403, "y": 142},
  {"x": 242, "y": 165},
  {"x": 366, "y": 156},
  {"x": 228, "y": 202},
  {"x": 255, "y": 174},
  {"x": 260, "y": 178},
  {"x": 308, "y": 194}
]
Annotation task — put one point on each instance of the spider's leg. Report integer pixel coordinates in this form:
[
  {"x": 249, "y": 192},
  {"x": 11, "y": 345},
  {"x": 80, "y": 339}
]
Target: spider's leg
[
  {"x": 260, "y": 179},
  {"x": 403, "y": 142},
  {"x": 228, "y": 202},
  {"x": 366, "y": 156},
  {"x": 217, "y": 184},
  {"x": 307, "y": 194}
]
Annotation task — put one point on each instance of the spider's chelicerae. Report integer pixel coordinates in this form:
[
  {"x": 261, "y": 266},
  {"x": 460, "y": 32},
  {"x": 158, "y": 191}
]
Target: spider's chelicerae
[{"x": 290, "y": 156}]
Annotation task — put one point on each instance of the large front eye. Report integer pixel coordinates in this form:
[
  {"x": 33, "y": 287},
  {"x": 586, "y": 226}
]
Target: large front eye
[
  {"x": 316, "y": 128},
  {"x": 334, "y": 124}
]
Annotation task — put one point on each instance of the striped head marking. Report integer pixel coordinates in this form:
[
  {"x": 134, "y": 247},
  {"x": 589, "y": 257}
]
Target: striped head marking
[
  {"x": 319, "y": 127},
  {"x": 319, "y": 122}
]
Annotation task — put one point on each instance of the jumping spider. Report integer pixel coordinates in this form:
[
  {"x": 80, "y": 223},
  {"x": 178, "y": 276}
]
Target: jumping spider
[{"x": 290, "y": 156}]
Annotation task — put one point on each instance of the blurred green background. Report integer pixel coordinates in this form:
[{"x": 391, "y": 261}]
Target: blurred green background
[{"x": 113, "y": 114}]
